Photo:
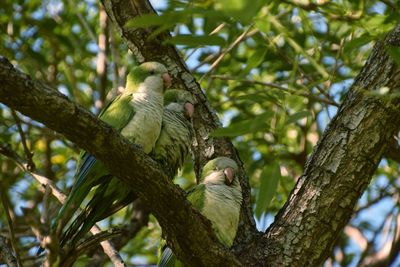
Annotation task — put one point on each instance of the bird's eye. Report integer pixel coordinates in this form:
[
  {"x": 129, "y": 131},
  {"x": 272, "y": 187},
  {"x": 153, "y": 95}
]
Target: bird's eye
[{"x": 152, "y": 72}]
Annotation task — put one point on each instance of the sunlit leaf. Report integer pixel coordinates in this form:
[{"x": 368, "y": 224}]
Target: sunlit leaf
[
  {"x": 255, "y": 59},
  {"x": 394, "y": 53},
  {"x": 149, "y": 20},
  {"x": 357, "y": 42},
  {"x": 241, "y": 10},
  {"x": 270, "y": 178},
  {"x": 258, "y": 97},
  {"x": 258, "y": 123},
  {"x": 297, "y": 116},
  {"x": 196, "y": 40}
]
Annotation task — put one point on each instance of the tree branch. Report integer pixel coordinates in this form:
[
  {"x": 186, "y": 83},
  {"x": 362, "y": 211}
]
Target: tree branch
[
  {"x": 340, "y": 167},
  {"x": 335, "y": 175},
  {"x": 393, "y": 150},
  {"x": 198, "y": 245},
  {"x": 205, "y": 119},
  {"x": 6, "y": 253},
  {"x": 46, "y": 184}
]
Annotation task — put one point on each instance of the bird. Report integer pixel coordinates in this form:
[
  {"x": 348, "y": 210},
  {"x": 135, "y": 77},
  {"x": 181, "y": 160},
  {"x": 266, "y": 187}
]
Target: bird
[
  {"x": 137, "y": 114},
  {"x": 170, "y": 150},
  {"x": 218, "y": 197},
  {"x": 173, "y": 144}
]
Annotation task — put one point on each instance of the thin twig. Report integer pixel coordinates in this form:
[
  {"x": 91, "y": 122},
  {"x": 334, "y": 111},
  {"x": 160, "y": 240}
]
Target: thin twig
[
  {"x": 226, "y": 51},
  {"x": 101, "y": 65},
  {"x": 366, "y": 256},
  {"x": 277, "y": 86},
  {"x": 99, "y": 236},
  {"x": 86, "y": 26},
  {"x": 6, "y": 253},
  {"x": 302, "y": 72},
  {"x": 357, "y": 236},
  {"x": 28, "y": 153},
  {"x": 216, "y": 30},
  {"x": 108, "y": 248},
  {"x": 389, "y": 4},
  {"x": 10, "y": 221},
  {"x": 138, "y": 218}
]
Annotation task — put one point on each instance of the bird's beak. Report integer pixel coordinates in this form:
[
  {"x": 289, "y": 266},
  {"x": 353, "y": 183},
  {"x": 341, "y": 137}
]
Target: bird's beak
[
  {"x": 189, "y": 110},
  {"x": 167, "y": 80},
  {"x": 229, "y": 175}
]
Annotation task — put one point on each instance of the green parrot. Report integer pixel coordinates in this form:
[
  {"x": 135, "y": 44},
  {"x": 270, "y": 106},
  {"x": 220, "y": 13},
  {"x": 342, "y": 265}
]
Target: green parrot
[
  {"x": 218, "y": 196},
  {"x": 170, "y": 150},
  {"x": 172, "y": 146},
  {"x": 137, "y": 115}
]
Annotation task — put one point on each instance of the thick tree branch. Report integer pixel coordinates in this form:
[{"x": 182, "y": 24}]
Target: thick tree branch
[
  {"x": 337, "y": 172},
  {"x": 340, "y": 167},
  {"x": 198, "y": 245},
  {"x": 393, "y": 150},
  {"x": 205, "y": 119}
]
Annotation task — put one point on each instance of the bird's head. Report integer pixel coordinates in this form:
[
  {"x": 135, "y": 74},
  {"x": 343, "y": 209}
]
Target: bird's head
[
  {"x": 148, "y": 75},
  {"x": 180, "y": 101},
  {"x": 219, "y": 171}
]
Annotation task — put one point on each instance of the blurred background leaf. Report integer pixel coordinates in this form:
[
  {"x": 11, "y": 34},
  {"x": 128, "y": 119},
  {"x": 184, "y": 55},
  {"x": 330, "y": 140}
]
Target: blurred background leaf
[{"x": 275, "y": 72}]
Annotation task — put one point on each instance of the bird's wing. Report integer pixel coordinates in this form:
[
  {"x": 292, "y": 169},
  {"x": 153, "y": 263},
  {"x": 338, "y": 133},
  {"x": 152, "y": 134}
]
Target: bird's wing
[
  {"x": 118, "y": 112},
  {"x": 168, "y": 259},
  {"x": 197, "y": 196}
]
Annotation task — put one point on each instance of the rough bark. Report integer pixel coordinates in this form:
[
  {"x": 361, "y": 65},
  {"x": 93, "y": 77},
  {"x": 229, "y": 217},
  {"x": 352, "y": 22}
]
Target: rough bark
[
  {"x": 339, "y": 169},
  {"x": 336, "y": 174},
  {"x": 189, "y": 233},
  {"x": 322, "y": 202}
]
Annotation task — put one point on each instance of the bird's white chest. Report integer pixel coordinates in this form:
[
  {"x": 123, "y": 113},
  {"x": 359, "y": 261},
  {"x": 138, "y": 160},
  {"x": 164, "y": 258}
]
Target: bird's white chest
[{"x": 145, "y": 126}]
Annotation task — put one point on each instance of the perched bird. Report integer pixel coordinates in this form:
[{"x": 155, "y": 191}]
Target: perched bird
[
  {"x": 218, "y": 196},
  {"x": 137, "y": 115},
  {"x": 172, "y": 146},
  {"x": 170, "y": 150}
]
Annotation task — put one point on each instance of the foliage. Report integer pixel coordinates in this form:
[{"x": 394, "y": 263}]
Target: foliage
[{"x": 275, "y": 71}]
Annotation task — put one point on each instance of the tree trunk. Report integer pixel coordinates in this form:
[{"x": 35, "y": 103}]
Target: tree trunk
[{"x": 319, "y": 206}]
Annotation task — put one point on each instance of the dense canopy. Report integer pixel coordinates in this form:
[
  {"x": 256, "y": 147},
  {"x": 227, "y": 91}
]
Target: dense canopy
[{"x": 276, "y": 74}]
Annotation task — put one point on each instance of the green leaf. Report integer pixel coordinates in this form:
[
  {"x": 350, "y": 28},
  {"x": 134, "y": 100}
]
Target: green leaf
[
  {"x": 196, "y": 40},
  {"x": 149, "y": 20},
  {"x": 255, "y": 59},
  {"x": 377, "y": 24},
  {"x": 242, "y": 10},
  {"x": 254, "y": 125},
  {"x": 236, "y": 129},
  {"x": 357, "y": 42},
  {"x": 257, "y": 98},
  {"x": 171, "y": 18},
  {"x": 270, "y": 177},
  {"x": 394, "y": 53},
  {"x": 297, "y": 116}
]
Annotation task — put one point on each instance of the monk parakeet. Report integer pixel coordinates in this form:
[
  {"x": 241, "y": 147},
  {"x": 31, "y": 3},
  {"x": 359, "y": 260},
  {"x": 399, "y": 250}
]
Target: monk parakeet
[
  {"x": 172, "y": 146},
  {"x": 170, "y": 150},
  {"x": 218, "y": 196},
  {"x": 137, "y": 114}
]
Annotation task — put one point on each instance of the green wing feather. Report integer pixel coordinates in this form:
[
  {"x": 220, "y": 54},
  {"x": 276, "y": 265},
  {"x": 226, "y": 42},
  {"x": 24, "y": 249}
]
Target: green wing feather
[
  {"x": 196, "y": 197},
  {"x": 118, "y": 112},
  {"x": 168, "y": 259},
  {"x": 111, "y": 194},
  {"x": 217, "y": 201},
  {"x": 91, "y": 172}
]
